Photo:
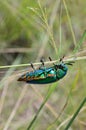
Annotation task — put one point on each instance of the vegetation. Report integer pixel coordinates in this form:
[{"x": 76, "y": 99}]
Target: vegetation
[{"x": 28, "y": 31}]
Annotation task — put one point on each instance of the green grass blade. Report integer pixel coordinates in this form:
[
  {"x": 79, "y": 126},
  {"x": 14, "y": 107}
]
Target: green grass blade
[
  {"x": 50, "y": 91},
  {"x": 80, "y": 42},
  {"x": 47, "y": 26},
  {"x": 61, "y": 112},
  {"x": 76, "y": 113},
  {"x": 70, "y": 23},
  {"x": 60, "y": 29}
]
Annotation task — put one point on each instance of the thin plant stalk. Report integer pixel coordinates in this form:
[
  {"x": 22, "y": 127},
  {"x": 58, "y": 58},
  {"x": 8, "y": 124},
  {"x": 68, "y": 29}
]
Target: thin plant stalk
[
  {"x": 76, "y": 113},
  {"x": 80, "y": 42},
  {"x": 70, "y": 24},
  {"x": 60, "y": 29},
  {"x": 61, "y": 112},
  {"x": 50, "y": 91},
  {"x": 47, "y": 62},
  {"x": 23, "y": 92},
  {"x": 66, "y": 120},
  {"x": 42, "y": 98},
  {"x": 49, "y": 30}
]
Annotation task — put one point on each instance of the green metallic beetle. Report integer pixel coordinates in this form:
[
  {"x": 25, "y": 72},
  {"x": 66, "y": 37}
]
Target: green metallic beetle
[{"x": 45, "y": 75}]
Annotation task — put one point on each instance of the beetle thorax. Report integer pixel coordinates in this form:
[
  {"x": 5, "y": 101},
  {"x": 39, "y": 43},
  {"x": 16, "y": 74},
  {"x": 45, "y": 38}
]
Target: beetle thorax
[
  {"x": 61, "y": 70},
  {"x": 63, "y": 67}
]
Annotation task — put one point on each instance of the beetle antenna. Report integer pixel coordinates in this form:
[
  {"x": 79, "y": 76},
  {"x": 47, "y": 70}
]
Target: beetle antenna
[
  {"x": 70, "y": 63},
  {"x": 42, "y": 61}
]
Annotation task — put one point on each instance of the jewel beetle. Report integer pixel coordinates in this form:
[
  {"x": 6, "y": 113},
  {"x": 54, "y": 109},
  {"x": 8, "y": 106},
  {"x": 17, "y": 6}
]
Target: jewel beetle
[{"x": 45, "y": 75}]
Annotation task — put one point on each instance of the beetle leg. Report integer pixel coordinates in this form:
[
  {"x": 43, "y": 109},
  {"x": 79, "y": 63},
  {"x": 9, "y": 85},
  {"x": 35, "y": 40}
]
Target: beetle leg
[
  {"x": 51, "y": 60},
  {"x": 32, "y": 66},
  {"x": 42, "y": 61},
  {"x": 55, "y": 65},
  {"x": 42, "y": 67},
  {"x": 61, "y": 59}
]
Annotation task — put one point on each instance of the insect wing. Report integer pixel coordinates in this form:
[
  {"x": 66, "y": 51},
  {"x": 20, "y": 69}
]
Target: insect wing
[{"x": 37, "y": 74}]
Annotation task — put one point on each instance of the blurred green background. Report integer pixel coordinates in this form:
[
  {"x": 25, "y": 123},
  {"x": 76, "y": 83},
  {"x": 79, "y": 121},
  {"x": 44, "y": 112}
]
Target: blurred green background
[{"x": 28, "y": 31}]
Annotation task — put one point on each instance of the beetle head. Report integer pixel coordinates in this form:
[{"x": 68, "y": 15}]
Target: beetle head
[
  {"x": 62, "y": 65},
  {"x": 67, "y": 63}
]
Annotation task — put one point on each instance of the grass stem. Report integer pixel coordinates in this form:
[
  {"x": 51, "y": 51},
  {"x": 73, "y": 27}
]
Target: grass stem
[{"x": 76, "y": 113}]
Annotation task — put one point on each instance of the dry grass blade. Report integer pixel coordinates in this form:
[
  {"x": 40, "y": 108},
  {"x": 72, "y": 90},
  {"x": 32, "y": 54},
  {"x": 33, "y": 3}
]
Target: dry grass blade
[
  {"x": 3, "y": 95},
  {"x": 68, "y": 119},
  {"x": 48, "y": 62},
  {"x": 15, "y": 108},
  {"x": 16, "y": 50}
]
